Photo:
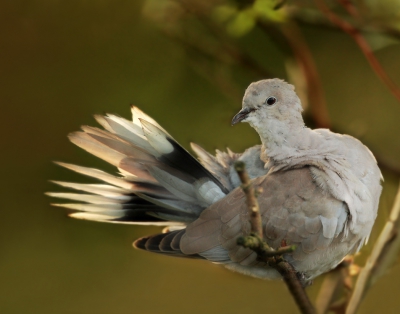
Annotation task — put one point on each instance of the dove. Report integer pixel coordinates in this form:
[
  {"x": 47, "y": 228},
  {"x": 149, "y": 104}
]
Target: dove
[{"x": 319, "y": 190}]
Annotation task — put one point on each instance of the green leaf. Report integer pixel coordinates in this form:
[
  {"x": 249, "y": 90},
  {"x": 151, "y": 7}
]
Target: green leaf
[
  {"x": 223, "y": 13},
  {"x": 265, "y": 10},
  {"x": 242, "y": 23},
  {"x": 379, "y": 41}
]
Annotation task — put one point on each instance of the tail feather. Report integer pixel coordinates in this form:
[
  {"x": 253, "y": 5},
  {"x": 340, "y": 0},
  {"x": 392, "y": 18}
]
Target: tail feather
[
  {"x": 174, "y": 155},
  {"x": 160, "y": 180},
  {"x": 89, "y": 198},
  {"x": 177, "y": 205},
  {"x": 99, "y": 189},
  {"x": 126, "y": 130},
  {"x": 135, "y": 210},
  {"x": 174, "y": 216},
  {"x": 119, "y": 219},
  {"x": 138, "y": 115},
  {"x": 180, "y": 188},
  {"x": 132, "y": 187},
  {"x": 219, "y": 170},
  {"x": 91, "y": 130},
  {"x": 164, "y": 243},
  {"x": 86, "y": 142},
  {"x": 106, "y": 209},
  {"x": 98, "y": 174},
  {"x": 135, "y": 171},
  {"x": 124, "y": 148}
]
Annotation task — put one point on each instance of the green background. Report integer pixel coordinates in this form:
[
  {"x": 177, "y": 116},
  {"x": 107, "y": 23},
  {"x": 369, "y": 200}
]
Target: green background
[{"x": 61, "y": 62}]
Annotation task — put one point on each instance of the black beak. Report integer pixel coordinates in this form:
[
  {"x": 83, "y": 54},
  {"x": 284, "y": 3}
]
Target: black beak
[{"x": 241, "y": 115}]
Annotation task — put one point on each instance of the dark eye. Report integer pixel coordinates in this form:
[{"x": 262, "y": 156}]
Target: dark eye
[{"x": 270, "y": 101}]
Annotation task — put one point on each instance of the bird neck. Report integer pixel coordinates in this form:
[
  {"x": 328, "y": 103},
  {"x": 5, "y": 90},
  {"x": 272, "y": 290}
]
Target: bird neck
[{"x": 281, "y": 140}]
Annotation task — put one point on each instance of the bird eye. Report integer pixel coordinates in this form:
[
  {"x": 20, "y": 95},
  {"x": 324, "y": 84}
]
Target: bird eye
[{"x": 270, "y": 101}]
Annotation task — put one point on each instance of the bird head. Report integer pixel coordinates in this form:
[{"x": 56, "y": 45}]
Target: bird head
[{"x": 267, "y": 101}]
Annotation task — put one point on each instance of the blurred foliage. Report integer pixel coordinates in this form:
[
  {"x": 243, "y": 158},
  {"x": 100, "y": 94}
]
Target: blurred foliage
[
  {"x": 373, "y": 25},
  {"x": 62, "y": 61},
  {"x": 209, "y": 31}
]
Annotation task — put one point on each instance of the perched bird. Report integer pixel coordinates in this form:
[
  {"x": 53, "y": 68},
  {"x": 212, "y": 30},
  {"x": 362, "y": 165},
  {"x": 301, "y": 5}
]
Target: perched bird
[{"x": 320, "y": 190}]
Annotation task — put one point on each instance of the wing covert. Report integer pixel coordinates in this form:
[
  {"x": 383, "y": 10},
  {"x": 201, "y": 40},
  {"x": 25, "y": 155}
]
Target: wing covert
[{"x": 294, "y": 211}]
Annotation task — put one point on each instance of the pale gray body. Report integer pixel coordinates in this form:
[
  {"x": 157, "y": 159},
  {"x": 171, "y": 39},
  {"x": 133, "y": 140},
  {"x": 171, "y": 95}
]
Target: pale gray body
[{"x": 320, "y": 190}]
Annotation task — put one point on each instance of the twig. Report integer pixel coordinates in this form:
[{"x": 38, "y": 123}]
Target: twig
[
  {"x": 383, "y": 245},
  {"x": 291, "y": 278},
  {"x": 272, "y": 257},
  {"x": 350, "y": 8},
  {"x": 337, "y": 281},
  {"x": 316, "y": 18},
  {"x": 362, "y": 44},
  {"x": 330, "y": 287},
  {"x": 304, "y": 57},
  {"x": 293, "y": 43},
  {"x": 239, "y": 56},
  {"x": 252, "y": 204}
]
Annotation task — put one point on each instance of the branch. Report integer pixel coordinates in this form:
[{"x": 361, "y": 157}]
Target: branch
[
  {"x": 336, "y": 282},
  {"x": 362, "y": 44},
  {"x": 304, "y": 57},
  {"x": 252, "y": 204},
  {"x": 289, "y": 39},
  {"x": 350, "y": 8},
  {"x": 272, "y": 257},
  {"x": 291, "y": 278},
  {"x": 226, "y": 45},
  {"x": 387, "y": 245},
  {"x": 316, "y": 18}
]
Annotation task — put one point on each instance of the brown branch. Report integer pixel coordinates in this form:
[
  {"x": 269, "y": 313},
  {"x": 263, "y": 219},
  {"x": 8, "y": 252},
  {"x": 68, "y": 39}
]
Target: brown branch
[
  {"x": 227, "y": 46},
  {"x": 252, "y": 204},
  {"x": 362, "y": 44},
  {"x": 336, "y": 282},
  {"x": 329, "y": 289},
  {"x": 304, "y": 57},
  {"x": 316, "y": 18},
  {"x": 292, "y": 43},
  {"x": 349, "y": 7},
  {"x": 272, "y": 257},
  {"x": 387, "y": 244},
  {"x": 291, "y": 278}
]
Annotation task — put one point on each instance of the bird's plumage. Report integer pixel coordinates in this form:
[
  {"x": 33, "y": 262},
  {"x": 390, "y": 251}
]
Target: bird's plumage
[{"x": 320, "y": 190}]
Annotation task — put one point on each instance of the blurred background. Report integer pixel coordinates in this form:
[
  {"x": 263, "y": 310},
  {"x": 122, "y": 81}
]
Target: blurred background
[{"x": 187, "y": 64}]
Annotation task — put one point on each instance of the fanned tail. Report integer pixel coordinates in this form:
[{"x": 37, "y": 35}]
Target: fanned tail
[{"x": 160, "y": 183}]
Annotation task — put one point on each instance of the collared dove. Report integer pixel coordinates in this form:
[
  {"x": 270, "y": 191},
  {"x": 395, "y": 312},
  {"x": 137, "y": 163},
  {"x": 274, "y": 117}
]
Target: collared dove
[{"x": 320, "y": 190}]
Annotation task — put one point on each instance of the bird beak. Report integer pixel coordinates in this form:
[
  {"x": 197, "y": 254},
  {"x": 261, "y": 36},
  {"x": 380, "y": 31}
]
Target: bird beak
[{"x": 241, "y": 115}]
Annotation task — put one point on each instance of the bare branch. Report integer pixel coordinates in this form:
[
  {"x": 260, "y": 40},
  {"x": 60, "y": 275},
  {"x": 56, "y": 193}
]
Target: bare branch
[
  {"x": 252, "y": 204},
  {"x": 362, "y": 44},
  {"x": 337, "y": 281},
  {"x": 317, "y": 18},
  {"x": 304, "y": 57},
  {"x": 386, "y": 244},
  {"x": 290, "y": 40},
  {"x": 350, "y": 8},
  {"x": 291, "y": 278},
  {"x": 272, "y": 257}
]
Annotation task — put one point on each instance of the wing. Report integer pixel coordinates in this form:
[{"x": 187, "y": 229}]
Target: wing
[
  {"x": 222, "y": 165},
  {"x": 294, "y": 211}
]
